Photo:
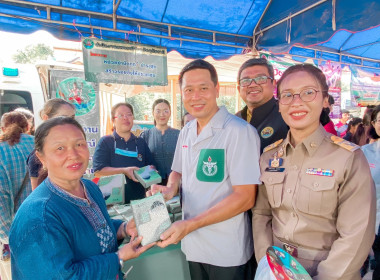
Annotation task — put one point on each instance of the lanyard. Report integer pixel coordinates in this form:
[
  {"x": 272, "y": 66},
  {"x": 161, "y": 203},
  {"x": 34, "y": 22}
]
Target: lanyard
[{"x": 125, "y": 152}]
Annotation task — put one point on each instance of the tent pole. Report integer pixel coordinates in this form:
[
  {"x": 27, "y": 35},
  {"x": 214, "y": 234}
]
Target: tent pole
[
  {"x": 254, "y": 41},
  {"x": 115, "y": 6},
  {"x": 340, "y": 53},
  {"x": 289, "y": 17},
  {"x": 345, "y": 63},
  {"x": 131, "y": 32},
  {"x": 173, "y": 102}
]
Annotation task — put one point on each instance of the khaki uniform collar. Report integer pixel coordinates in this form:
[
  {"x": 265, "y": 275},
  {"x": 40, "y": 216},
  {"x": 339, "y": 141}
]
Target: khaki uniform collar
[{"x": 311, "y": 143}]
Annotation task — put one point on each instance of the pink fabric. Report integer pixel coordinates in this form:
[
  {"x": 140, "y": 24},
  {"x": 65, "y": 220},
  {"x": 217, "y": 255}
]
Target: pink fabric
[{"x": 329, "y": 127}]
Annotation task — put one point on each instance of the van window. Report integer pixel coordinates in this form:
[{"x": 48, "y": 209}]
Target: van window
[{"x": 12, "y": 99}]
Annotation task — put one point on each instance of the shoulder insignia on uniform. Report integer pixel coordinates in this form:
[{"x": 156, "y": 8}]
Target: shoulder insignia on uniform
[
  {"x": 273, "y": 145},
  {"x": 344, "y": 143}
]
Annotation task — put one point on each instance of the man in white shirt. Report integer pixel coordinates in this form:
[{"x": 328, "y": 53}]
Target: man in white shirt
[{"x": 217, "y": 159}]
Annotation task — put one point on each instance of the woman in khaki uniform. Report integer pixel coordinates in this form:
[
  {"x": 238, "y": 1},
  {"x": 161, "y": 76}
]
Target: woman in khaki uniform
[{"x": 317, "y": 200}]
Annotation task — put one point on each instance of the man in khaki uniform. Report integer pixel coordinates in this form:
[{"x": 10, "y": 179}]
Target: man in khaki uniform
[{"x": 318, "y": 204}]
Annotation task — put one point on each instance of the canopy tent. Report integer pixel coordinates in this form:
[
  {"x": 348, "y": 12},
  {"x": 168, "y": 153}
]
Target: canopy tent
[{"x": 347, "y": 31}]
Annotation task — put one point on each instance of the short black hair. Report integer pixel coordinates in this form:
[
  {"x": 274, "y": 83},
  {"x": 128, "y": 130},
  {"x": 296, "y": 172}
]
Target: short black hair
[
  {"x": 256, "y": 61},
  {"x": 158, "y": 101},
  {"x": 199, "y": 64},
  {"x": 114, "y": 108},
  {"x": 44, "y": 129},
  {"x": 372, "y": 130},
  {"x": 311, "y": 70},
  {"x": 331, "y": 100},
  {"x": 354, "y": 122}
]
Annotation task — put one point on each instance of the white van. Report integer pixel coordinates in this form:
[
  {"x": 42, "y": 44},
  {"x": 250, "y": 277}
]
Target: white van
[{"x": 20, "y": 86}]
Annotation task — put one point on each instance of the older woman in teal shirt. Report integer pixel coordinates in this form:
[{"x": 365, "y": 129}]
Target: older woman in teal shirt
[
  {"x": 162, "y": 139},
  {"x": 63, "y": 230}
]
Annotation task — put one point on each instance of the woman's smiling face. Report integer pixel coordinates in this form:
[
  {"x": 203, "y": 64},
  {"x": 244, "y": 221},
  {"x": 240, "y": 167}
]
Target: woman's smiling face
[{"x": 301, "y": 115}]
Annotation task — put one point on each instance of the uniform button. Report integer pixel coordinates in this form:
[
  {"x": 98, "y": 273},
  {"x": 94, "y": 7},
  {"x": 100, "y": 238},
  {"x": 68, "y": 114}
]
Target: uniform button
[
  {"x": 270, "y": 179},
  {"x": 295, "y": 167},
  {"x": 287, "y": 237},
  {"x": 316, "y": 184},
  {"x": 313, "y": 145},
  {"x": 289, "y": 191}
]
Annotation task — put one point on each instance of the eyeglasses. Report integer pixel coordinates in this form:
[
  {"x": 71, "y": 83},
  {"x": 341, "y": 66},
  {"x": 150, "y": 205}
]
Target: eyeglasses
[
  {"x": 377, "y": 121},
  {"x": 258, "y": 81},
  {"x": 165, "y": 112},
  {"x": 124, "y": 116},
  {"x": 306, "y": 95}
]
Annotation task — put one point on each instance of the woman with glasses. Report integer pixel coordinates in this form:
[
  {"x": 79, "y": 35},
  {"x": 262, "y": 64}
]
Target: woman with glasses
[
  {"x": 317, "y": 200},
  {"x": 122, "y": 152},
  {"x": 55, "y": 107},
  {"x": 162, "y": 139},
  {"x": 372, "y": 153}
]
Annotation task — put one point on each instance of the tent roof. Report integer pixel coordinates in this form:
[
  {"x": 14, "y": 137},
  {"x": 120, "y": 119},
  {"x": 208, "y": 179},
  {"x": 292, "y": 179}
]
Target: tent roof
[{"x": 219, "y": 28}]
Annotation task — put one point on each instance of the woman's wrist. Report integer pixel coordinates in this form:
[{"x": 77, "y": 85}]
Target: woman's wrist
[{"x": 121, "y": 261}]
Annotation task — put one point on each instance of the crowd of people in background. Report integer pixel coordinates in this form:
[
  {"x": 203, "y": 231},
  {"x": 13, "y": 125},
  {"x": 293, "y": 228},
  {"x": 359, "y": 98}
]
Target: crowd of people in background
[{"x": 309, "y": 182}]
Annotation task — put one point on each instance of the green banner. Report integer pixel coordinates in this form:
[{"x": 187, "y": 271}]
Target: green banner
[
  {"x": 279, "y": 66},
  {"x": 124, "y": 63}
]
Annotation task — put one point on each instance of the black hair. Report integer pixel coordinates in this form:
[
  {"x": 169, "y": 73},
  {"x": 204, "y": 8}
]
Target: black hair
[
  {"x": 325, "y": 118},
  {"x": 158, "y": 101},
  {"x": 372, "y": 130},
  {"x": 44, "y": 129},
  {"x": 114, "y": 108},
  {"x": 331, "y": 100},
  {"x": 367, "y": 115},
  {"x": 199, "y": 64},
  {"x": 256, "y": 61},
  {"x": 354, "y": 122},
  {"x": 310, "y": 69}
]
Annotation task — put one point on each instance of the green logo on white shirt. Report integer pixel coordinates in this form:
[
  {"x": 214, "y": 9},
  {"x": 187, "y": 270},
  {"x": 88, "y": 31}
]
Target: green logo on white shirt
[{"x": 210, "y": 166}]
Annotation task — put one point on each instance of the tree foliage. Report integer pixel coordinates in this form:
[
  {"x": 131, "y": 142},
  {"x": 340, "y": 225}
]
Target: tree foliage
[{"x": 33, "y": 53}]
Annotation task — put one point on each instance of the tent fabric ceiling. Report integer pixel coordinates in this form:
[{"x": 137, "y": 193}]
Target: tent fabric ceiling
[
  {"x": 219, "y": 28},
  {"x": 356, "y": 39}
]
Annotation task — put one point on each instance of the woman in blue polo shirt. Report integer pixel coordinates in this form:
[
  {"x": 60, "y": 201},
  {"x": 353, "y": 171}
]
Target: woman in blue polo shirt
[
  {"x": 162, "y": 139},
  {"x": 122, "y": 152}
]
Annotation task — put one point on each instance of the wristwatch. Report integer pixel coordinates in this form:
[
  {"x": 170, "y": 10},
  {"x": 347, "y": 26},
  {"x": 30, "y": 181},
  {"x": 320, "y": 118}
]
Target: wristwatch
[{"x": 121, "y": 261}]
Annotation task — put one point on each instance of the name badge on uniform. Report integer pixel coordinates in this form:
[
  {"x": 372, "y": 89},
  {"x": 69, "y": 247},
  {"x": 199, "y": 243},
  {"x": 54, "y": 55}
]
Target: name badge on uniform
[{"x": 274, "y": 169}]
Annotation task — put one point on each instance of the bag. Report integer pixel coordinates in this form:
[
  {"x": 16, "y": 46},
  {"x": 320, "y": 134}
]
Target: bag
[
  {"x": 5, "y": 263},
  {"x": 5, "y": 269},
  {"x": 263, "y": 271}
]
